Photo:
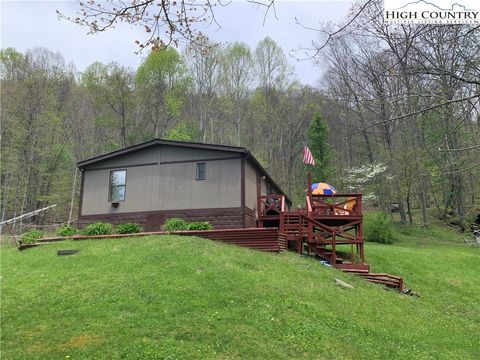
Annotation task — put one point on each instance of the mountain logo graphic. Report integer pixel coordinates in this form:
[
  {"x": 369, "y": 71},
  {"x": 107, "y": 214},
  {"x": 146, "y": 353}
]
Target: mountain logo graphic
[{"x": 452, "y": 7}]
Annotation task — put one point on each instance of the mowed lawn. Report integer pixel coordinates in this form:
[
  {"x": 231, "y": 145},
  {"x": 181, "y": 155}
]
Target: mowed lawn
[{"x": 170, "y": 297}]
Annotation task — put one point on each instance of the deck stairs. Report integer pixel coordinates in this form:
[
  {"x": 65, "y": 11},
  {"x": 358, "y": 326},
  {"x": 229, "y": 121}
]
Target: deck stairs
[{"x": 320, "y": 233}]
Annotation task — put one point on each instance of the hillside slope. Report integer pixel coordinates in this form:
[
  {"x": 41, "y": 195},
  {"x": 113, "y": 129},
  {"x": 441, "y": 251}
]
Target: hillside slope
[{"x": 175, "y": 297}]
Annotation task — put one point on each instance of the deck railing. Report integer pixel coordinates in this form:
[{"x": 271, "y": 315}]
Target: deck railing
[
  {"x": 271, "y": 205},
  {"x": 335, "y": 205}
]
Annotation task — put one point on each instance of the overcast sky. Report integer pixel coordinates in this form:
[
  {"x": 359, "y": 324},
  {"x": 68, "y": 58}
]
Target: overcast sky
[{"x": 26, "y": 24}]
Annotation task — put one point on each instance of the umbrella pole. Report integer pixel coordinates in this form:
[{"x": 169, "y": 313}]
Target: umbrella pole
[{"x": 309, "y": 186}]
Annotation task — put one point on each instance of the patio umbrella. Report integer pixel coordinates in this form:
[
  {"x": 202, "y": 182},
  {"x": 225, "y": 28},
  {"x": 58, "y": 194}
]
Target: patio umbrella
[{"x": 323, "y": 189}]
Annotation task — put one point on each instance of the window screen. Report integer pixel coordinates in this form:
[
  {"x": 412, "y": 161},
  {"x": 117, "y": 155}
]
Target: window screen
[
  {"x": 118, "y": 180},
  {"x": 201, "y": 171}
]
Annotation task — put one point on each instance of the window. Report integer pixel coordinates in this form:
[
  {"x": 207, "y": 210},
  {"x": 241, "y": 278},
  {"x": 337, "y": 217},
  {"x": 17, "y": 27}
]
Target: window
[
  {"x": 118, "y": 180},
  {"x": 201, "y": 171}
]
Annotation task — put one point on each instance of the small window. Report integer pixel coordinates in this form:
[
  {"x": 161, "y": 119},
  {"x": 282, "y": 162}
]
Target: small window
[
  {"x": 118, "y": 180},
  {"x": 201, "y": 171}
]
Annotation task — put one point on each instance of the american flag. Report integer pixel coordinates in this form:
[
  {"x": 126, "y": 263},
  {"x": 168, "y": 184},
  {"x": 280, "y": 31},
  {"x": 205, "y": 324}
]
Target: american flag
[{"x": 307, "y": 156}]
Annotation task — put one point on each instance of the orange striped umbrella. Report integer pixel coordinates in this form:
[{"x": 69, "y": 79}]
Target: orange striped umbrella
[{"x": 323, "y": 189}]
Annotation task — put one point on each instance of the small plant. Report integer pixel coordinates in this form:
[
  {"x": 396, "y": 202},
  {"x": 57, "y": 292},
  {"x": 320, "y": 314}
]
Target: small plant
[
  {"x": 378, "y": 228},
  {"x": 200, "y": 225},
  {"x": 99, "y": 228},
  {"x": 128, "y": 228},
  {"x": 30, "y": 236},
  {"x": 67, "y": 230},
  {"x": 175, "y": 224}
]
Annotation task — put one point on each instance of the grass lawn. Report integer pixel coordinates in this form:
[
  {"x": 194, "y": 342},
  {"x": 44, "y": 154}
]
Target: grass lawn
[{"x": 170, "y": 297}]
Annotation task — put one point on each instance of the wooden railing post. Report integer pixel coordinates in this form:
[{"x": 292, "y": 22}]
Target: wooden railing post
[
  {"x": 334, "y": 251},
  {"x": 360, "y": 233},
  {"x": 282, "y": 222}
]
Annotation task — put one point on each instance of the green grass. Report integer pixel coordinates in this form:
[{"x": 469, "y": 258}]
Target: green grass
[{"x": 170, "y": 297}]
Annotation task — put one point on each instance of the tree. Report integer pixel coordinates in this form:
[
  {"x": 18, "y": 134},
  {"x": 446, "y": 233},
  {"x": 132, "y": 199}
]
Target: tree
[
  {"x": 35, "y": 129},
  {"x": 272, "y": 67},
  {"x": 318, "y": 143},
  {"x": 236, "y": 80},
  {"x": 113, "y": 88},
  {"x": 165, "y": 22},
  {"x": 204, "y": 67},
  {"x": 162, "y": 83}
]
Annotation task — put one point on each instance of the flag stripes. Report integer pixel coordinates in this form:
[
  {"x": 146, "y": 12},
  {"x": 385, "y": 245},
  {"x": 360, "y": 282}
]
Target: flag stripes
[{"x": 307, "y": 156}]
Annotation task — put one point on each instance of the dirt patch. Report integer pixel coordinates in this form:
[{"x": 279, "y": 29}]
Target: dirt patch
[
  {"x": 82, "y": 341},
  {"x": 39, "y": 348}
]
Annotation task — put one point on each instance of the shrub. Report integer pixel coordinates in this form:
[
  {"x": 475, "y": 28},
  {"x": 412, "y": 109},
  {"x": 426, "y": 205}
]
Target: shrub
[
  {"x": 99, "y": 228},
  {"x": 175, "y": 224},
  {"x": 200, "y": 225},
  {"x": 378, "y": 228},
  {"x": 30, "y": 236},
  {"x": 128, "y": 228},
  {"x": 67, "y": 230}
]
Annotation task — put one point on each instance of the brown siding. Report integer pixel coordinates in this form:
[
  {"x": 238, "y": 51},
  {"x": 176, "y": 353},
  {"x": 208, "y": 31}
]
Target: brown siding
[
  {"x": 249, "y": 216},
  {"x": 223, "y": 218}
]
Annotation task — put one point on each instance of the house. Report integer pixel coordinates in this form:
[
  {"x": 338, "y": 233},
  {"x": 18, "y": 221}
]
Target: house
[{"x": 159, "y": 179}]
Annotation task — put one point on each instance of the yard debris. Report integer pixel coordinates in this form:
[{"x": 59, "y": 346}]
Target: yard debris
[
  {"x": 67, "y": 252},
  {"x": 343, "y": 284},
  {"x": 410, "y": 292}
]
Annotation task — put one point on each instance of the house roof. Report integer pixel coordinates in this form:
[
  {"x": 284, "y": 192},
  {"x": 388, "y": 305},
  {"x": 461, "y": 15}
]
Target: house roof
[{"x": 155, "y": 142}]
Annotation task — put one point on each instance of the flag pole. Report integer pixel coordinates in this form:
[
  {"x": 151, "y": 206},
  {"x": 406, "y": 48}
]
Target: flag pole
[{"x": 309, "y": 184}]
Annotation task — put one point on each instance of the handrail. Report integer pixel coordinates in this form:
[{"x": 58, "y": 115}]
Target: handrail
[
  {"x": 309, "y": 204},
  {"x": 352, "y": 205},
  {"x": 318, "y": 224}
]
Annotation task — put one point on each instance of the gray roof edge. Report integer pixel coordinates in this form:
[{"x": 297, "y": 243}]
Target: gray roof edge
[{"x": 155, "y": 142}]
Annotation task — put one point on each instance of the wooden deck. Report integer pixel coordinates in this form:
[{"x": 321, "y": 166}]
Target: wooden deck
[
  {"x": 326, "y": 223},
  {"x": 265, "y": 239}
]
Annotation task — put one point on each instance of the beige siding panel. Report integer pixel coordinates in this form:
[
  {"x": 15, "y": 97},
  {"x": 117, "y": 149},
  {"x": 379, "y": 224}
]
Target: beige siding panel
[
  {"x": 250, "y": 186},
  {"x": 180, "y": 190},
  {"x": 173, "y": 153},
  {"x": 141, "y": 191},
  {"x": 169, "y": 186},
  {"x": 146, "y": 156},
  {"x": 95, "y": 192},
  {"x": 166, "y": 187}
]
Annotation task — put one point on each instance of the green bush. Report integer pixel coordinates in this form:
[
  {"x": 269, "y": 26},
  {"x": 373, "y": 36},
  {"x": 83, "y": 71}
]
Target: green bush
[
  {"x": 67, "y": 230},
  {"x": 200, "y": 225},
  {"x": 128, "y": 228},
  {"x": 99, "y": 228},
  {"x": 378, "y": 228},
  {"x": 30, "y": 236},
  {"x": 175, "y": 224}
]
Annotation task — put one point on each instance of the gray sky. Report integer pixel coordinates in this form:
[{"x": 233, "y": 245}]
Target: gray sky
[{"x": 26, "y": 24}]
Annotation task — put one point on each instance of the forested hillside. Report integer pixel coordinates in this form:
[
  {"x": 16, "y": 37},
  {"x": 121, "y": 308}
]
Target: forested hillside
[{"x": 396, "y": 115}]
